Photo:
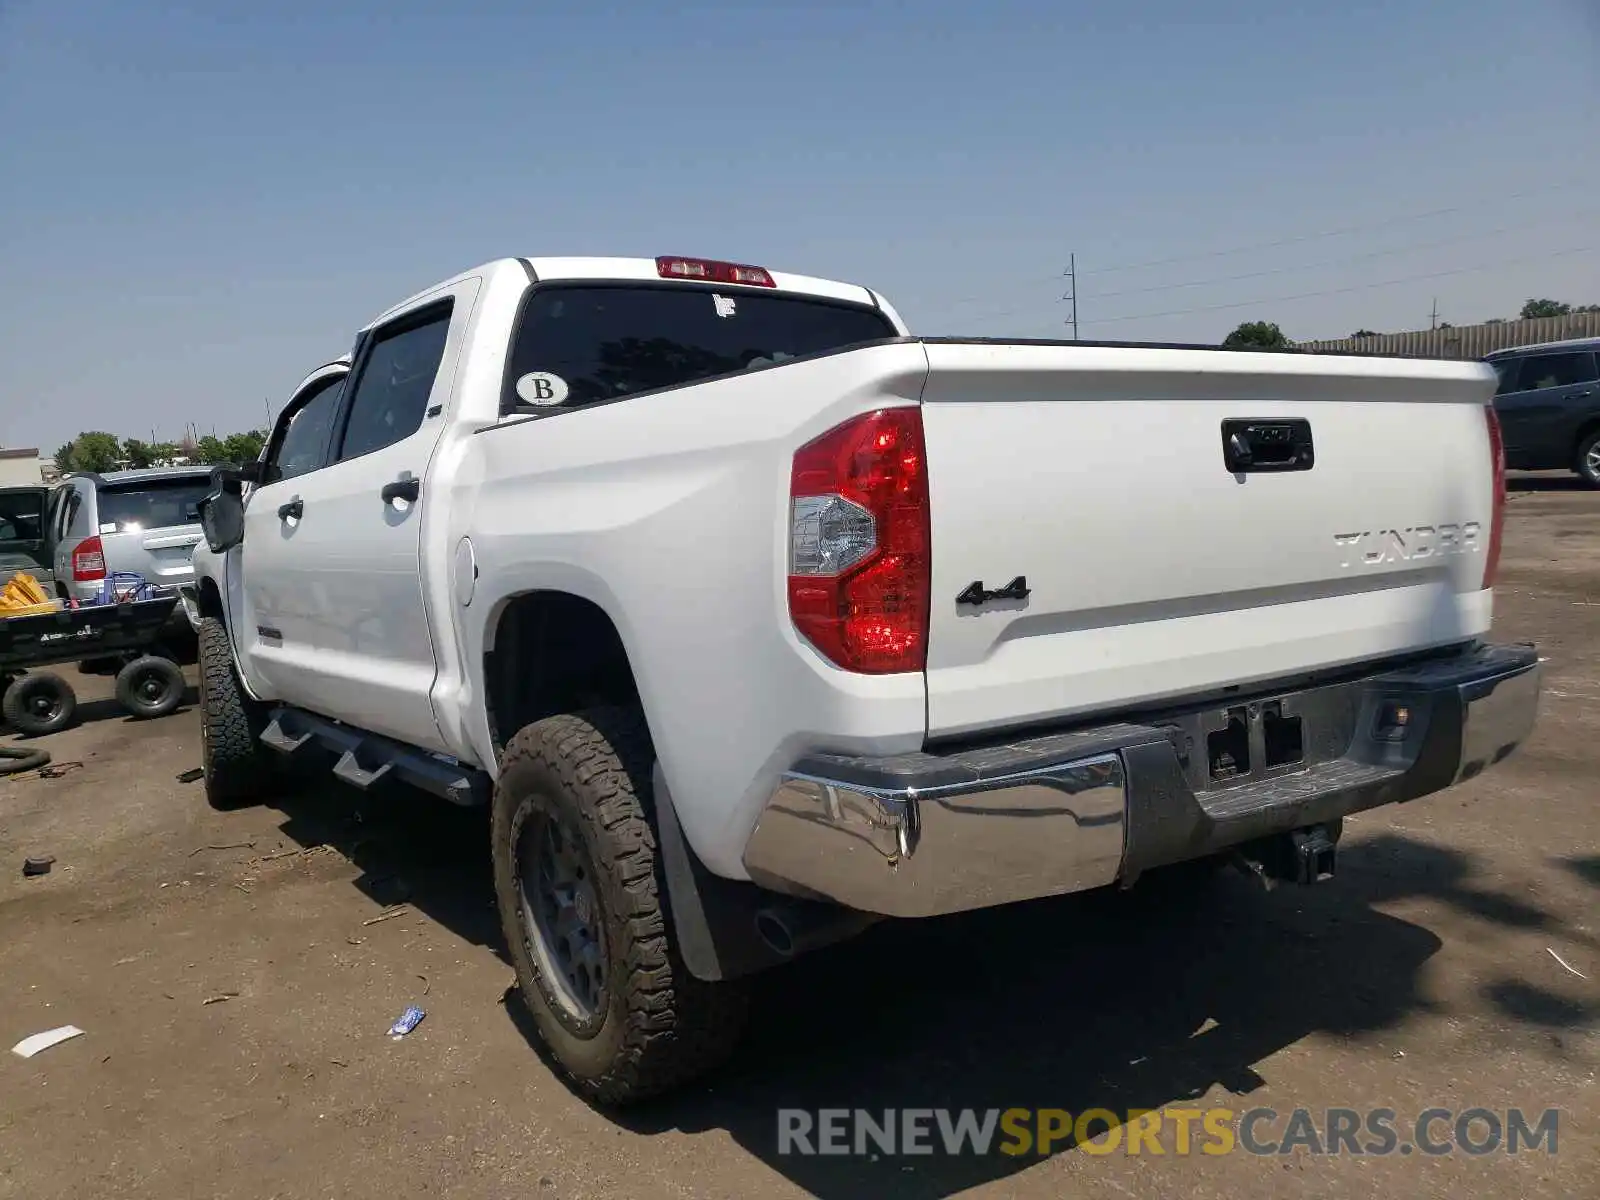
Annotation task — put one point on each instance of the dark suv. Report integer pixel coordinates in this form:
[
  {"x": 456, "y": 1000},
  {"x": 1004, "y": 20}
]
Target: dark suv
[{"x": 1549, "y": 407}]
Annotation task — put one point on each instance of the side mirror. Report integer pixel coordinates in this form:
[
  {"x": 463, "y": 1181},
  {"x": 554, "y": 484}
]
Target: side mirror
[
  {"x": 232, "y": 478},
  {"x": 222, "y": 519}
]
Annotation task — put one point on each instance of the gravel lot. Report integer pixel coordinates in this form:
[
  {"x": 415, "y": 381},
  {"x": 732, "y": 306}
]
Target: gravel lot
[{"x": 1423, "y": 975}]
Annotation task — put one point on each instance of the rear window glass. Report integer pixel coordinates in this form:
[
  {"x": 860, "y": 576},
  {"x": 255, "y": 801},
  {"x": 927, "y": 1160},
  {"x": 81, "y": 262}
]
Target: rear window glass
[
  {"x": 151, "y": 504},
  {"x": 581, "y": 345}
]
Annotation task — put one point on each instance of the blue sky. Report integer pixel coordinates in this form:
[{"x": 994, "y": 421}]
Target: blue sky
[{"x": 200, "y": 202}]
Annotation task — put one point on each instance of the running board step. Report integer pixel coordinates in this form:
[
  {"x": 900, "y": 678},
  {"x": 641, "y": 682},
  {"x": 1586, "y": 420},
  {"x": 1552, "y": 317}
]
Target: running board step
[
  {"x": 281, "y": 740},
  {"x": 349, "y": 769},
  {"x": 366, "y": 761}
]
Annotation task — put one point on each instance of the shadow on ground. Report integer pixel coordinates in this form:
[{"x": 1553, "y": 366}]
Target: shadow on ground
[
  {"x": 90, "y": 712},
  {"x": 1111, "y": 1000},
  {"x": 1563, "y": 482},
  {"x": 1586, "y": 868}
]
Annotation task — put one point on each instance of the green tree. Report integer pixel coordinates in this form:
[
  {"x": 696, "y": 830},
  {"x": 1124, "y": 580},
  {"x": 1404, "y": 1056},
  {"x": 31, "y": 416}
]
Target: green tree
[
  {"x": 244, "y": 447},
  {"x": 63, "y": 459},
  {"x": 1534, "y": 309},
  {"x": 209, "y": 450},
  {"x": 139, "y": 454},
  {"x": 1365, "y": 333},
  {"x": 163, "y": 452},
  {"x": 1256, "y": 335},
  {"x": 96, "y": 451}
]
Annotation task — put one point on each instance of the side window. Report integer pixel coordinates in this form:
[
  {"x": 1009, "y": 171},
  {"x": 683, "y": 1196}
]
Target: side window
[
  {"x": 1555, "y": 370},
  {"x": 391, "y": 394},
  {"x": 70, "y": 503},
  {"x": 52, "y": 522},
  {"x": 1507, "y": 369},
  {"x": 302, "y": 446}
]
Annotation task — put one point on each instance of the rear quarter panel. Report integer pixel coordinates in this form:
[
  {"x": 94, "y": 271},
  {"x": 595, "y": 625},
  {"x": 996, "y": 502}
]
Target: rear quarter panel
[{"x": 669, "y": 511}]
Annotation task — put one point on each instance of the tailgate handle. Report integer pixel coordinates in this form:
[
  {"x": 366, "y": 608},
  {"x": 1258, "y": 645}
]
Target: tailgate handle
[{"x": 1267, "y": 445}]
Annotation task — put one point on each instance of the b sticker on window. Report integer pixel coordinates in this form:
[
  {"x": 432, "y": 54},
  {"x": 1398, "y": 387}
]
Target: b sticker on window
[
  {"x": 542, "y": 389},
  {"x": 727, "y": 306}
]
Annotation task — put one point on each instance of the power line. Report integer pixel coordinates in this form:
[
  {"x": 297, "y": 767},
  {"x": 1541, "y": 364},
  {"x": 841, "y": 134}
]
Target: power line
[
  {"x": 1286, "y": 241},
  {"x": 1359, "y": 287},
  {"x": 1348, "y": 229},
  {"x": 1411, "y": 248}
]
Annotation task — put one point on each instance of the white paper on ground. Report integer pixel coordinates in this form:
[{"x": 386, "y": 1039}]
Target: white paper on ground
[{"x": 29, "y": 1046}]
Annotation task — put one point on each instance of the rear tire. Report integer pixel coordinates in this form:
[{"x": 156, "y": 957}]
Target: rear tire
[
  {"x": 1587, "y": 464},
  {"x": 238, "y": 768},
  {"x": 583, "y": 906},
  {"x": 40, "y": 703},
  {"x": 150, "y": 687}
]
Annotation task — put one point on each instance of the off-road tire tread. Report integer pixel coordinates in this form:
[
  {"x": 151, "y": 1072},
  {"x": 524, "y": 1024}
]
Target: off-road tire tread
[
  {"x": 677, "y": 1027},
  {"x": 237, "y": 765}
]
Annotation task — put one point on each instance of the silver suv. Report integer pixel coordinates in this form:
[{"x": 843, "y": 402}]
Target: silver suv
[{"x": 140, "y": 522}]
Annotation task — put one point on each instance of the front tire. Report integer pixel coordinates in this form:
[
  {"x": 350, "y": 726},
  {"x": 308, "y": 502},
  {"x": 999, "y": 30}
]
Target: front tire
[
  {"x": 238, "y": 769},
  {"x": 1587, "y": 464},
  {"x": 583, "y": 907}
]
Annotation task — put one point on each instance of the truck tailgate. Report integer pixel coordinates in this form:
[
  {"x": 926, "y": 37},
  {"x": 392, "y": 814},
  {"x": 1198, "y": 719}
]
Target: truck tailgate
[{"x": 1153, "y": 570}]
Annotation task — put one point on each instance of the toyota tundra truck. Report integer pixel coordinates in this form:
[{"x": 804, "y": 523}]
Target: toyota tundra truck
[{"x": 754, "y": 619}]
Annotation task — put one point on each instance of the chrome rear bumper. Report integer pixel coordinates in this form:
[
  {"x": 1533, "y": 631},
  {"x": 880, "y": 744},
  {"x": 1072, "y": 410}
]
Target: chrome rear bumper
[{"x": 932, "y": 833}]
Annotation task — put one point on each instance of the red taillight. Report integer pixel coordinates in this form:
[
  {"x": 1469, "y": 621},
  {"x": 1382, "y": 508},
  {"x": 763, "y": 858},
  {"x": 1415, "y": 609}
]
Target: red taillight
[
  {"x": 859, "y": 543},
  {"x": 1497, "y": 455},
  {"x": 711, "y": 271},
  {"x": 89, "y": 561}
]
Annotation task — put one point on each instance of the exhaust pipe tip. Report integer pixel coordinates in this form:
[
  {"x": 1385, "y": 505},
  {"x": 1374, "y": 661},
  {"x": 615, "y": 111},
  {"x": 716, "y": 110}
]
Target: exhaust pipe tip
[{"x": 775, "y": 932}]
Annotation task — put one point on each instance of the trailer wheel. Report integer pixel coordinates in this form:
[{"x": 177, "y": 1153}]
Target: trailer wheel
[
  {"x": 583, "y": 906},
  {"x": 40, "y": 703},
  {"x": 150, "y": 686}
]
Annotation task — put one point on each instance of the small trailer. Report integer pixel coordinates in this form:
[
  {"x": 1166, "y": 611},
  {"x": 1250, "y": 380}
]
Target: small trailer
[{"x": 149, "y": 682}]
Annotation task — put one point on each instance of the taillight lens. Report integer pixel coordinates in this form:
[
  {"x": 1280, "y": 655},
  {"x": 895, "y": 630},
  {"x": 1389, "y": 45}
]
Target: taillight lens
[
  {"x": 89, "y": 561},
  {"x": 859, "y": 543},
  {"x": 1497, "y": 455}
]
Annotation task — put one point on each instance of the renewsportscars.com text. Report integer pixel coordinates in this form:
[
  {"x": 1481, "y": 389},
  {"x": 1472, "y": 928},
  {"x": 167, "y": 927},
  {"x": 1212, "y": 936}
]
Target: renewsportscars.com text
[{"x": 1178, "y": 1132}]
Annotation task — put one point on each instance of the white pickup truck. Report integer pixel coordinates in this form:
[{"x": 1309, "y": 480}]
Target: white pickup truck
[{"x": 755, "y": 619}]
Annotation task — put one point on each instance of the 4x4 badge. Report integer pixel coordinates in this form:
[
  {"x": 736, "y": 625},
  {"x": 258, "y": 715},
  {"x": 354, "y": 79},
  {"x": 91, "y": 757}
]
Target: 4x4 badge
[{"x": 976, "y": 594}]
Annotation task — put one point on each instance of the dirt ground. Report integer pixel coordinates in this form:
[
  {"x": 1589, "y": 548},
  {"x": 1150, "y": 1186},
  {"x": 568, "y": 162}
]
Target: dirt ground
[{"x": 235, "y": 989}]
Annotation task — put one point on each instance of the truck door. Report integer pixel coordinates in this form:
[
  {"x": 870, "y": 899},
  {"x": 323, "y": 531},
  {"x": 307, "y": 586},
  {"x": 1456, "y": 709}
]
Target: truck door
[
  {"x": 259, "y": 606},
  {"x": 346, "y": 601}
]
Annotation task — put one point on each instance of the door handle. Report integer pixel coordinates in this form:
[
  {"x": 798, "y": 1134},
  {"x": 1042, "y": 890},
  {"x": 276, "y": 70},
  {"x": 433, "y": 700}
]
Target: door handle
[
  {"x": 292, "y": 510},
  {"x": 402, "y": 489}
]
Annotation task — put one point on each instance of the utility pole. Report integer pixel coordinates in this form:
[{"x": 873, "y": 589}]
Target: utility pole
[
  {"x": 1072, "y": 292},
  {"x": 1433, "y": 320}
]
